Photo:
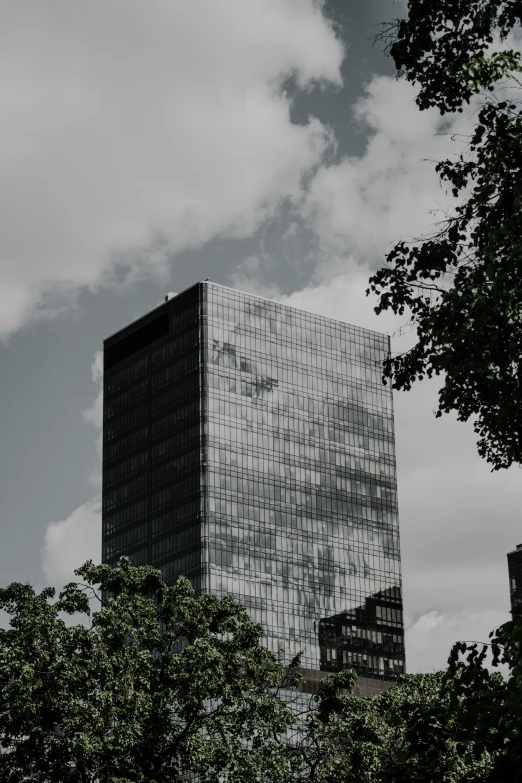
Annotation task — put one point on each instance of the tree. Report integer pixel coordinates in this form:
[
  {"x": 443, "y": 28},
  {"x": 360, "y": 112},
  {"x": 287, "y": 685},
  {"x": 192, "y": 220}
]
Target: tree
[
  {"x": 406, "y": 734},
  {"x": 462, "y": 725},
  {"x": 158, "y": 685},
  {"x": 477, "y": 709},
  {"x": 463, "y": 285}
]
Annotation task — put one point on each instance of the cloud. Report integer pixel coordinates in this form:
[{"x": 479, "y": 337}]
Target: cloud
[
  {"x": 72, "y": 541},
  {"x": 344, "y": 298},
  {"x": 362, "y": 206},
  {"x": 94, "y": 415},
  {"x": 430, "y": 638},
  {"x": 69, "y": 543},
  {"x": 135, "y": 130},
  {"x": 251, "y": 275}
]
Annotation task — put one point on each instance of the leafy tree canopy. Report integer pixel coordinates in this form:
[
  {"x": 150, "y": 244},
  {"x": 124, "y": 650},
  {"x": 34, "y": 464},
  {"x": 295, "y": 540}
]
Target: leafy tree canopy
[
  {"x": 462, "y": 286},
  {"x": 462, "y": 725},
  {"x": 159, "y": 686},
  {"x": 156, "y": 686}
]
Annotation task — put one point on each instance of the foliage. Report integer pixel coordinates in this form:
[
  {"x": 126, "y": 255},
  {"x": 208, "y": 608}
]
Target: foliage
[
  {"x": 117, "y": 700},
  {"x": 463, "y": 725},
  {"x": 478, "y": 709},
  {"x": 463, "y": 285},
  {"x": 406, "y": 734},
  {"x": 160, "y": 685}
]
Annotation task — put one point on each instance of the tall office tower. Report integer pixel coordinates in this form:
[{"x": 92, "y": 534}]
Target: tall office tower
[
  {"x": 515, "y": 577},
  {"x": 249, "y": 446}
]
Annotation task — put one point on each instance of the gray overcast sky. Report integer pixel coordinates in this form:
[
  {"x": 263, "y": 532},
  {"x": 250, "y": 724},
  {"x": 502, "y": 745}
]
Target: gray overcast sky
[{"x": 263, "y": 144}]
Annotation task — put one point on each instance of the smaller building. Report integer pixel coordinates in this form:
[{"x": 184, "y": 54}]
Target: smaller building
[
  {"x": 515, "y": 577},
  {"x": 368, "y": 638}
]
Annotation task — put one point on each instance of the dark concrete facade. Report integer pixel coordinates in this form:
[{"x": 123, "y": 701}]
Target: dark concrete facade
[{"x": 515, "y": 577}]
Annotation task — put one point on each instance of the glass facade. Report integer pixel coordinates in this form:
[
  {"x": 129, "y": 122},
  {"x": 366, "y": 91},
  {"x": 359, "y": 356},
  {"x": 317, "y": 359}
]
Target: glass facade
[
  {"x": 515, "y": 577},
  {"x": 250, "y": 446}
]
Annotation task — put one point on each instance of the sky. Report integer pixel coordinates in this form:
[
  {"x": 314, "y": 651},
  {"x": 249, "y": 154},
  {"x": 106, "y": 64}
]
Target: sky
[{"x": 268, "y": 146}]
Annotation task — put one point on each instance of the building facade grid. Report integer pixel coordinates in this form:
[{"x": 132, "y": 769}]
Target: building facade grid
[{"x": 250, "y": 446}]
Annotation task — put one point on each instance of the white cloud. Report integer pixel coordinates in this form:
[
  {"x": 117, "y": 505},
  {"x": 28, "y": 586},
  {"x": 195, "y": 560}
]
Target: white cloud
[
  {"x": 363, "y": 206},
  {"x": 430, "y": 638},
  {"x": 136, "y": 129},
  {"x": 69, "y": 543},
  {"x": 345, "y": 298},
  {"x": 252, "y": 274},
  {"x": 17, "y": 301},
  {"x": 94, "y": 415}
]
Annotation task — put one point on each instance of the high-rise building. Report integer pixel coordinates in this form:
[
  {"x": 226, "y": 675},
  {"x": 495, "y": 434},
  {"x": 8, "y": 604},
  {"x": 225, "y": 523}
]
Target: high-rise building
[
  {"x": 515, "y": 577},
  {"x": 249, "y": 446}
]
